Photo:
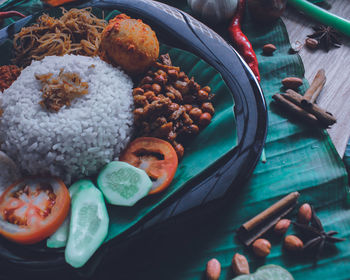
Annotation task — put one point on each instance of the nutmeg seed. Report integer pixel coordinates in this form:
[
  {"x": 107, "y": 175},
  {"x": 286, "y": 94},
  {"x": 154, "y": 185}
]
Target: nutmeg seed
[
  {"x": 282, "y": 226},
  {"x": 304, "y": 213},
  {"x": 240, "y": 264},
  {"x": 293, "y": 243},
  {"x": 261, "y": 247},
  {"x": 269, "y": 49},
  {"x": 213, "y": 269}
]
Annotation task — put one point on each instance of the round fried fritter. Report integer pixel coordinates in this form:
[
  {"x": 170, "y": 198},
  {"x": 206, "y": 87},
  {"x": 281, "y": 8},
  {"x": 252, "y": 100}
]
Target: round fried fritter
[{"x": 129, "y": 43}]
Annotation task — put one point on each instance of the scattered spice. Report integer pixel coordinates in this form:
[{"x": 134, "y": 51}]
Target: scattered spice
[
  {"x": 60, "y": 91},
  {"x": 240, "y": 264},
  {"x": 269, "y": 49},
  {"x": 312, "y": 43},
  {"x": 304, "y": 214},
  {"x": 241, "y": 41},
  {"x": 327, "y": 36},
  {"x": 304, "y": 107},
  {"x": 8, "y": 74},
  {"x": 261, "y": 247},
  {"x": 213, "y": 269},
  {"x": 295, "y": 47},
  {"x": 293, "y": 243},
  {"x": 316, "y": 236},
  {"x": 282, "y": 226},
  {"x": 267, "y": 219},
  {"x": 292, "y": 82}
]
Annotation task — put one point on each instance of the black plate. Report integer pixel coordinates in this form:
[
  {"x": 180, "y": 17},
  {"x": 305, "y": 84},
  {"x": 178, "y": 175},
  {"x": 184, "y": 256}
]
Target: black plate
[{"x": 206, "y": 192}]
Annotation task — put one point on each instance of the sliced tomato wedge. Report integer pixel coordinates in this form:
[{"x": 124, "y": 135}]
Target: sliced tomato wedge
[
  {"x": 33, "y": 209},
  {"x": 156, "y": 156}
]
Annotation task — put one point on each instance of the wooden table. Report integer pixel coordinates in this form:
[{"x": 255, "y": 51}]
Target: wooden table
[{"x": 335, "y": 96}]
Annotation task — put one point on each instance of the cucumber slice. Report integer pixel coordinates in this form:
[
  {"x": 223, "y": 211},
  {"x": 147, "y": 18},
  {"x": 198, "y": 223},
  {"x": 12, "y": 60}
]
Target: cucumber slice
[
  {"x": 272, "y": 272},
  {"x": 123, "y": 184},
  {"x": 59, "y": 238},
  {"x": 268, "y": 272},
  {"x": 89, "y": 225}
]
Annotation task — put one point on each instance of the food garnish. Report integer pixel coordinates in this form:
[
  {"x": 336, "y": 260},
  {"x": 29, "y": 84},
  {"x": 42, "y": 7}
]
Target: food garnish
[
  {"x": 156, "y": 156},
  {"x": 33, "y": 209},
  {"x": 8, "y": 74},
  {"x": 316, "y": 237},
  {"x": 327, "y": 36},
  {"x": 9, "y": 172},
  {"x": 60, "y": 91},
  {"x": 241, "y": 41},
  {"x": 261, "y": 223},
  {"x": 60, "y": 237},
  {"x": 77, "y": 31},
  {"x": 123, "y": 184},
  {"x": 88, "y": 226},
  {"x": 304, "y": 107},
  {"x": 129, "y": 43},
  {"x": 171, "y": 106}
]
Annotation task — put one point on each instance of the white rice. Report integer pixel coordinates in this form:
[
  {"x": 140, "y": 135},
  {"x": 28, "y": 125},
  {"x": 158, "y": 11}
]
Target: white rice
[{"x": 78, "y": 140}]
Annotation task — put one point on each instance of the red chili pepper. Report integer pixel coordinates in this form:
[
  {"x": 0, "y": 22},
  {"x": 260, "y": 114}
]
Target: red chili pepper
[
  {"x": 241, "y": 41},
  {"x": 9, "y": 14}
]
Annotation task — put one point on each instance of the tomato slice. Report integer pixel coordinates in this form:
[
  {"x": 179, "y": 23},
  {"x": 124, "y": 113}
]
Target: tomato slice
[
  {"x": 156, "y": 156},
  {"x": 33, "y": 209}
]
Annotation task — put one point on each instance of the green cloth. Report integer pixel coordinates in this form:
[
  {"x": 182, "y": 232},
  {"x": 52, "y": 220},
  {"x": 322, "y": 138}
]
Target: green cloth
[{"x": 299, "y": 158}]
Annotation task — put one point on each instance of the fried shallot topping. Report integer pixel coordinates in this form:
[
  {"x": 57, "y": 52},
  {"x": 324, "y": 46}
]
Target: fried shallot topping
[{"x": 60, "y": 91}]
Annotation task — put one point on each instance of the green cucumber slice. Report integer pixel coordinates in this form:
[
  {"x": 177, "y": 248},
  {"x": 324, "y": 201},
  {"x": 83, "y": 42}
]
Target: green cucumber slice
[
  {"x": 88, "y": 227},
  {"x": 268, "y": 272},
  {"x": 59, "y": 238},
  {"x": 272, "y": 272},
  {"x": 123, "y": 184}
]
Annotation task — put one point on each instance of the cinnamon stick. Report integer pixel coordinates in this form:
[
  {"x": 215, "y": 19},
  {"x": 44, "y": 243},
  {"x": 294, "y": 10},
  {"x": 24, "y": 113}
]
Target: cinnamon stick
[
  {"x": 296, "y": 110},
  {"x": 322, "y": 115},
  {"x": 264, "y": 221},
  {"x": 315, "y": 88}
]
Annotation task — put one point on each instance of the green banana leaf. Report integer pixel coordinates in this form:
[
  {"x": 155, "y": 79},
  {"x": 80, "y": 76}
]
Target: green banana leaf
[{"x": 205, "y": 149}]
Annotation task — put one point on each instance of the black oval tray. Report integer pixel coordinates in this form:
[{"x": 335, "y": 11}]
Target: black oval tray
[{"x": 206, "y": 192}]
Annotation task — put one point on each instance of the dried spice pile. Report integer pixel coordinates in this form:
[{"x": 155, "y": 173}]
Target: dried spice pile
[{"x": 171, "y": 106}]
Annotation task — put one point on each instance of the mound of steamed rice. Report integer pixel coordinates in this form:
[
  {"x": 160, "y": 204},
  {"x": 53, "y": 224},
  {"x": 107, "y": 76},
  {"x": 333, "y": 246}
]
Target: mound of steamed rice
[{"x": 78, "y": 140}]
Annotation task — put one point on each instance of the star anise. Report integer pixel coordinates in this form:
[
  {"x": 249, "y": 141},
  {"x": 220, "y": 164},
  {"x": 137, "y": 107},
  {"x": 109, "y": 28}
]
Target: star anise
[
  {"x": 316, "y": 235},
  {"x": 327, "y": 36}
]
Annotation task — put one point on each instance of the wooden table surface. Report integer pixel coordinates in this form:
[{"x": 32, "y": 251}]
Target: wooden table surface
[{"x": 335, "y": 96}]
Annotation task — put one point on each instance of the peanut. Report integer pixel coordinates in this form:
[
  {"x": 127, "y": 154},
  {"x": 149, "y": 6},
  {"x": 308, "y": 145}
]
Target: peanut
[
  {"x": 213, "y": 269},
  {"x": 261, "y": 247},
  {"x": 240, "y": 264}
]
